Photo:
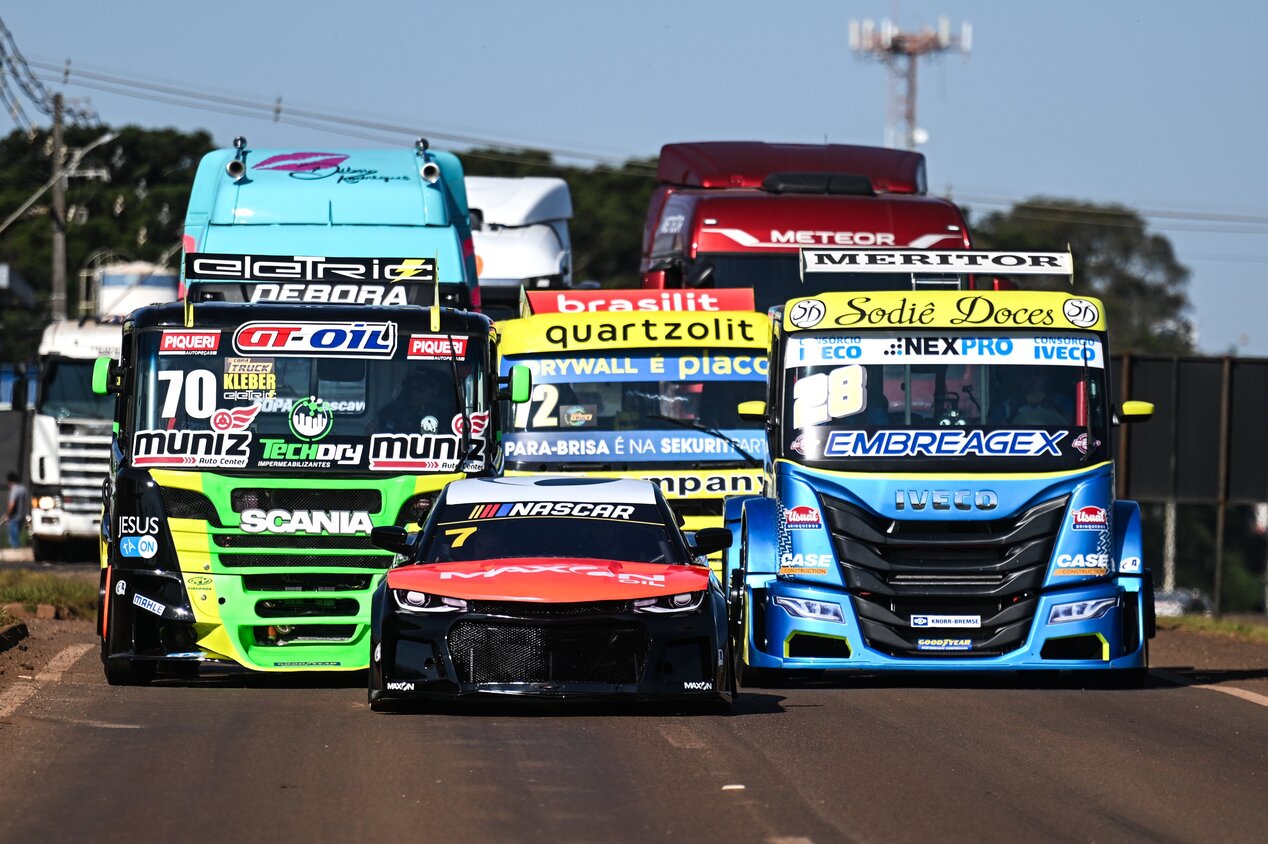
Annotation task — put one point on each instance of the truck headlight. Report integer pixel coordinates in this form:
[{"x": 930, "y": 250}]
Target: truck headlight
[
  {"x": 813, "y": 610},
  {"x": 48, "y": 502},
  {"x": 1081, "y": 610},
  {"x": 411, "y": 601},
  {"x": 682, "y": 602}
]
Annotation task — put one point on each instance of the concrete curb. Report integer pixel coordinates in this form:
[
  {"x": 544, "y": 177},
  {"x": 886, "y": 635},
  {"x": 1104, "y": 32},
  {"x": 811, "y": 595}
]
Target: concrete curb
[{"x": 11, "y": 635}]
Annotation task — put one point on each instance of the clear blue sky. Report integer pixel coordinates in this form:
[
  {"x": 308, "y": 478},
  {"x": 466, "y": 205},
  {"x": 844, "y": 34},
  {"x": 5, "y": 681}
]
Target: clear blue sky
[{"x": 1152, "y": 104}]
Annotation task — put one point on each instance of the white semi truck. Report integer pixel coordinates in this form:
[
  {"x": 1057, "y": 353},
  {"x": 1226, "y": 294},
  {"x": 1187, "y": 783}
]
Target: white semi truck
[
  {"x": 71, "y": 427},
  {"x": 519, "y": 227}
]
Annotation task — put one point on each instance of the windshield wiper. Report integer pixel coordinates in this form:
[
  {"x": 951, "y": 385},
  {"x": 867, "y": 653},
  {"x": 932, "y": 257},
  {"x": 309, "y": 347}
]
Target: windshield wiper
[
  {"x": 1087, "y": 407},
  {"x": 462, "y": 402},
  {"x": 699, "y": 426}
]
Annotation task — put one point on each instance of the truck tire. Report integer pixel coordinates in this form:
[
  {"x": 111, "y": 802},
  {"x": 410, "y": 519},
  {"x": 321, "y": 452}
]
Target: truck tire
[{"x": 121, "y": 671}]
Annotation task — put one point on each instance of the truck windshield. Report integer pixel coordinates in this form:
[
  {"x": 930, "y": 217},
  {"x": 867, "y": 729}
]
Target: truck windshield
[
  {"x": 203, "y": 400},
  {"x": 777, "y": 278},
  {"x": 922, "y": 401},
  {"x": 66, "y": 391},
  {"x": 639, "y": 407}
]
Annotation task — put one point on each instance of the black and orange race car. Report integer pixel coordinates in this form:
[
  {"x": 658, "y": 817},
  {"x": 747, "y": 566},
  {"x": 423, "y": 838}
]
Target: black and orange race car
[{"x": 551, "y": 587}]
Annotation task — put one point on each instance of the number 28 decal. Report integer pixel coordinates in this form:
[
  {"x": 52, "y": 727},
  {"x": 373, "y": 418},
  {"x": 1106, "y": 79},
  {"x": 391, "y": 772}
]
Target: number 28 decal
[{"x": 829, "y": 395}]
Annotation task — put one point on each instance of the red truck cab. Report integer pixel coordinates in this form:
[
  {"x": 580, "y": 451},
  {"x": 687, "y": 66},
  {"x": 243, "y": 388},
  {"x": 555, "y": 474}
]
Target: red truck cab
[{"x": 735, "y": 214}]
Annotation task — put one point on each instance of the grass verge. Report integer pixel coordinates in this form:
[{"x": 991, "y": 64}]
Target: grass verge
[
  {"x": 74, "y": 595},
  {"x": 1245, "y": 631}
]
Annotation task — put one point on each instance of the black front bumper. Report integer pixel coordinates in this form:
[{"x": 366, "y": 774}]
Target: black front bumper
[{"x": 548, "y": 651}]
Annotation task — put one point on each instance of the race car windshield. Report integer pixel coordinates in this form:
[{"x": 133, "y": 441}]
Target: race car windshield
[
  {"x": 627, "y": 532},
  {"x": 775, "y": 279},
  {"x": 922, "y": 401},
  {"x": 202, "y": 402},
  {"x": 640, "y": 408}
]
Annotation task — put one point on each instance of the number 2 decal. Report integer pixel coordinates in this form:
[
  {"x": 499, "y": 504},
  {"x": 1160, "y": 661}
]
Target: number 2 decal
[
  {"x": 830, "y": 395},
  {"x": 545, "y": 399}
]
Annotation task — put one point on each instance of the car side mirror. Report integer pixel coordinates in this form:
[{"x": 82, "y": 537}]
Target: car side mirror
[
  {"x": 517, "y": 385},
  {"x": 106, "y": 377},
  {"x": 711, "y": 540},
  {"x": 752, "y": 411},
  {"x": 1135, "y": 411},
  {"x": 392, "y": 538}
]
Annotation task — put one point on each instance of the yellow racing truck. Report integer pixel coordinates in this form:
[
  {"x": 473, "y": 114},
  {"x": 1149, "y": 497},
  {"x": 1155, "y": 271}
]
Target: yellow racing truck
[{"x": 642, "y": 384}]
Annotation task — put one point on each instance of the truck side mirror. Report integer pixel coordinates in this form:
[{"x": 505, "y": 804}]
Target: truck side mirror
[
  {"x": 752, "y": 411},
  {"x": 1135, "y": 411},
  {"x": 521, "y": 384},
  {"x": 392, "y": 538},
  {"x": 105, "y": 377}
]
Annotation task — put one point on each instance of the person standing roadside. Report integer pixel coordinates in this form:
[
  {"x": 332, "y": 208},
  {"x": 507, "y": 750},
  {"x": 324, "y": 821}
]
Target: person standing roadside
[{"x": 19, "y": 506}]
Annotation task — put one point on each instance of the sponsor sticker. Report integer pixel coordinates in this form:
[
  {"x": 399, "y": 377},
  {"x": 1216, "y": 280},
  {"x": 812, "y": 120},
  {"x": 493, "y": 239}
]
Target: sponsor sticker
[
  {"x": 144, "y": 547},
  {"x": 198, "y": 581},
  {"x": 311, "y": 419},
  {"x": 698, "y": 685},
  {"x": 233, "y": 419},
  {"x": 552, "y": 508},
  {"x": 423, "y": 453},
  {"x": 807, "y": 313},
  {"x": 1081, "y": 312},
  {"x": 323, "y": 339},
  {"x": 313, "y": 455},
  {"x": 632, "y": 446},
  {"x": 148, "y": 604},
  {"x": 805, "y": 564},
  {"x": 592, "y": 301},
  {"x": 1083, "y": 444},
  {"x": 479, "y": 421},
  {"x": 628, "y": 578},
  {"x": 249, "y": 378},
  {"x": 307, "y": 664},
  {"x": 297, "y": 268},
  {"x": 1129, "y": 565},
  {"x": 944, "y": 443},
  {"x": 189, "y": 343},
  {"x": 138, "y": 524},
  {"x": 121, "y": 588},
  {"x": 802, "y": 516},
  {"x": 400, "y": 686},
  {"x": 1089, "y": 518},
  {"x": 1082, "y": 565},
  {"x": 944, "y": 644},
  {"x": 436, "y": 347},
  {"x": 579, "y": 416},
  {"x": 946, "y": 621},
  {"x": 191, "y": 449}
]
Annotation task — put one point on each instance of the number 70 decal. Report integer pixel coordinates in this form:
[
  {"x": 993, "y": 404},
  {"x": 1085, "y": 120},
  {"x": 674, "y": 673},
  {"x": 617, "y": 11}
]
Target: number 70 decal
[{"x": 829, "y": 395}]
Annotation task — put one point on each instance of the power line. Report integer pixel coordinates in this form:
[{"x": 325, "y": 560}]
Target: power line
[{"x": 13, "y": 66}]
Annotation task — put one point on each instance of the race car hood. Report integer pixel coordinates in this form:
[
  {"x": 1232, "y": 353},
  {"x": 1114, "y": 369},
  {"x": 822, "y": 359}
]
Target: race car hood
[{"x": 549, "y": 579}]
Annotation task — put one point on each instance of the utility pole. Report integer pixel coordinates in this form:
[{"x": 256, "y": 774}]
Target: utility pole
[
  {"x": 890, "y": 45},
  {"x": 58, "y": 213}
]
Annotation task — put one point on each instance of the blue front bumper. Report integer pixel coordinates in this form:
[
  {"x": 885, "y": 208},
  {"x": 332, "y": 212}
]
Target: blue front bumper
[{"x": 776, "y": 638}]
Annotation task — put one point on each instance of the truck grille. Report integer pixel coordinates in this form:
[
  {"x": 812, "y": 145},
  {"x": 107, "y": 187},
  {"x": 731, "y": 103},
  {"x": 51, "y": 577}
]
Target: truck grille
[
  {"x": 299, "y": 561},
  {"x": 239, "y": 540},
  {"x": 495, "y": 652},
  {"x": 897, "y": 569},
  {"x": 264, "y": 498},
  {"x": 187, "y": 504},
  {"x": 83, "y": 460}
]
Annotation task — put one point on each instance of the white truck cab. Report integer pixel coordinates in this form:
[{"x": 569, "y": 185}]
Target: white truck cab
[{"x": 520, "y": 230}]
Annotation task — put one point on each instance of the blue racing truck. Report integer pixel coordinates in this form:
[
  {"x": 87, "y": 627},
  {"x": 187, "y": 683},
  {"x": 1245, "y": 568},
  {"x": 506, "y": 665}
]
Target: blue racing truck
[
  {"x": 284, "y": 218},
  {"x": 940, "y": 481}
]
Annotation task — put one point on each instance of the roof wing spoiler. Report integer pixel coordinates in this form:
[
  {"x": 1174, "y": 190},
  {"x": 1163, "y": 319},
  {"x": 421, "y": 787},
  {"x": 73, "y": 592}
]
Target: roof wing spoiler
[
  {"x": 306, "y": 279},
  {"x": 936, "y": 262}
]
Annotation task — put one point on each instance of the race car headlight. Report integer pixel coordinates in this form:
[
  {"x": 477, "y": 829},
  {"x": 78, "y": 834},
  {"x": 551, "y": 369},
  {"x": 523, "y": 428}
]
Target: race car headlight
[
  {"x": 682, "y": 602},
  {"x": 1081, "y": 610},
  {"x": 813, "y": 610},
  {"x": 411, "y": 601}
]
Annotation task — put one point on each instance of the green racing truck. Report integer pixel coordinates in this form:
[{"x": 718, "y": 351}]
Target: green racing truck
[{"x": 255, "y": 447}]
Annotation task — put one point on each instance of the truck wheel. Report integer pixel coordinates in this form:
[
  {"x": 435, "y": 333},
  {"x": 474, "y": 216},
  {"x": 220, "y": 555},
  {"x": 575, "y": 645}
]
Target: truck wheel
[{"x": 121, "y": 671}]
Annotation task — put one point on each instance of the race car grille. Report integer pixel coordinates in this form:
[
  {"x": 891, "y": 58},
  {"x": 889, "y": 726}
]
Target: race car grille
[
  {"x": 233, "y": 540},
  {"x": 903, "y": 574},
  {"x": 187, "y": 504},
  {"x": 490, "y": 652},
  {"x": 273, "y": 561},
  {"x": 525, "y": 609},
  {"x": 368, "y": 500},
  {"x": 291, "y": 581}
]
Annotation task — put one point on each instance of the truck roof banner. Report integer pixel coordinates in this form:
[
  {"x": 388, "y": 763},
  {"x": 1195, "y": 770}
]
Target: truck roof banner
[
  {"x": 310, "y": 279},
  {"x": 585, "y": 332},
  {"x": 592, "y": 301},
  {"x": 961, "y": 310},
  {"x": 935, "y": 261}
]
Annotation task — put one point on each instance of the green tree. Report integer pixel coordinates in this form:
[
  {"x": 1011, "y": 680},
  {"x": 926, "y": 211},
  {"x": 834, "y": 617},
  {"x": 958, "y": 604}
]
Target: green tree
[
  {"x": 133, "y": 204},
  {"x": 1133, "y": 271},
  {"x": 609, "y": 205}
]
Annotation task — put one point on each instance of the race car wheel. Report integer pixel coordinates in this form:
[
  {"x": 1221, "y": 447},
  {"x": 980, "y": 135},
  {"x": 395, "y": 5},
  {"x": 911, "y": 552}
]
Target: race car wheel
[{"x": 121, "y": 671}]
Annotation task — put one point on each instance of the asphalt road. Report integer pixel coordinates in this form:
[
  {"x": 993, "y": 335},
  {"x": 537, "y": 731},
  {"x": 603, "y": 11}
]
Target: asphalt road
[{"x": 270, "y": 760}]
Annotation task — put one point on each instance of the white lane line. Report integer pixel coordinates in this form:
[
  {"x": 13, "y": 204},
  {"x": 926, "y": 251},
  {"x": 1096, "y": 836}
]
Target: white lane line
[
  {"x": 1180, "y": 680},
  {"x": 790, "y": 839},
  {"x": 15, "y": 696},
  {"x": 680, "y": 736}
]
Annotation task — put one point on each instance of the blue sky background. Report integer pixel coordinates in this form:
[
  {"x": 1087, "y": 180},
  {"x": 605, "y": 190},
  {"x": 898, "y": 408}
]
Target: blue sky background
[{"x": 1156, "y": 105}]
